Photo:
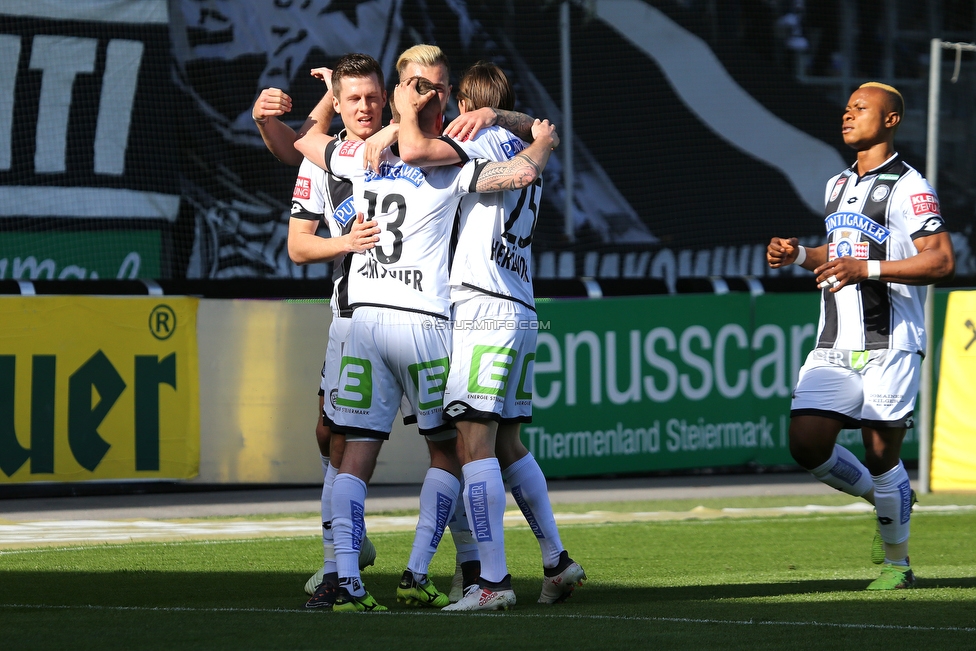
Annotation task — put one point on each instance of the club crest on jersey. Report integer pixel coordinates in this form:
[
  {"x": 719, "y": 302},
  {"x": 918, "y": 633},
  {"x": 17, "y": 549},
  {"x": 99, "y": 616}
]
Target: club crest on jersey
[
  {"x": 879, "y": 193},
  {"x": 414, "y": 175},
  {"x": 349, "y": 148},
  {"x": 837, "y": 187},
  {"x": 303, "y": 188},
  {"x": 512, "y": 147},
  {"x": 858, "y": 222},
  {"x": 925, "y": 203},
  {"x": 345, "y": 212},
  {"x": 848, "y": 247}
]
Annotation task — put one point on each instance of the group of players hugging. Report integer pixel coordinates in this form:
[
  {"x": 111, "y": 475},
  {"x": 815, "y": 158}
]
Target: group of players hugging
[{"x": 431, "y": 318}]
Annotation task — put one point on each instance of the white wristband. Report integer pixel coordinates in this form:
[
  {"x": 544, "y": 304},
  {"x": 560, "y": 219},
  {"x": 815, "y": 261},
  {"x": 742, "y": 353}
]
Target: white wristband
[
  {"x": 801, "y": 255},
  {"x": 874, "y": 269}
]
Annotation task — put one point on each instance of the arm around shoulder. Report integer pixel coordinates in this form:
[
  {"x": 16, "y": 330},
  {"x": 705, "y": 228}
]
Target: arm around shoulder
[{"x": 525, "y": 168}]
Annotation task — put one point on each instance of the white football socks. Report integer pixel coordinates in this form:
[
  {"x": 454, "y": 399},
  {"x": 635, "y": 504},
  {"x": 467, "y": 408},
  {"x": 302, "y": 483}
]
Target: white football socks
[
  {"x": 348, "y": 525},
  {"x": 484, "y": 500},
  {"x": 531, "y": 492},
  {"x": 438, "y": 495},
  {"x": 846, "y": 473},
  {"x": 464, "y": 544},
  {"x": 328, "y": 544},
  {"x": 893, "y": 502}
]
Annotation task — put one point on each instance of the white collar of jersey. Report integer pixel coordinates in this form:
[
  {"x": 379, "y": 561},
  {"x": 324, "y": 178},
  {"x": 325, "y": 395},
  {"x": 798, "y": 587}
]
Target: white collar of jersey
[{"x": 853, "y": 168}]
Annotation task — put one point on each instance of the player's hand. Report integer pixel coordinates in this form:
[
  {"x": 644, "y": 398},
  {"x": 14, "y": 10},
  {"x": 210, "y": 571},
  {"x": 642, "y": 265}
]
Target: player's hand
[
  {"x": 376, "y": 143},
  {"x": 408, "y": 99},
  {"x": 363, "y": 235},
  {"x": 841, "y": 272},
  {"x": 782, "y": 252},
  {"x": 323, "y": 74},
  {"x": 542, "y": 130},
  {"x": 272, "y": 102},
  {"x": 467, "y": 125}
]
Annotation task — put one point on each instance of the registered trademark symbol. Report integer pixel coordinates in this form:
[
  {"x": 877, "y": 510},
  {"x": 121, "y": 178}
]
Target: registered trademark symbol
[{"x": 162, "y": 322}]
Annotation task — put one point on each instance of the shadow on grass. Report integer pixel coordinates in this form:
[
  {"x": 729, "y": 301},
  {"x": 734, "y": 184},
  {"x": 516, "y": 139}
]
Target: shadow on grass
[
  {"x": 240, "y": 610},
  {"x": 266, "y": 590}
]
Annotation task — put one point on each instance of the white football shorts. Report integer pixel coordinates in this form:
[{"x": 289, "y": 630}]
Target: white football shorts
[
  {"x": 388, "y": 355},
  {"x": 338, "y": 332},
  {"x": 874, "y": 388},
  {"x": 491, "y": 361}
]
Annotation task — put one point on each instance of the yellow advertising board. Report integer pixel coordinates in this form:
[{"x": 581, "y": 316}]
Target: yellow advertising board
[
  {"x": 954, "y": 438},
  {"x": 98, "y": 388}
]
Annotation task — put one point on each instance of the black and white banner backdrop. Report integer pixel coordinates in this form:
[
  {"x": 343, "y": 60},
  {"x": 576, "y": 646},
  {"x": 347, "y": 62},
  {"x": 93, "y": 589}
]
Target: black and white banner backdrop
[
  {"x": 226, "y": 52},
  {"x": 133, "y": 116},
  {"x": 680, "y": 154},
  {"x": 86, "y": 111}
]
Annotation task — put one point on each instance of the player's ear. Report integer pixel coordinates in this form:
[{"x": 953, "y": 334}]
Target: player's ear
[{"x": 892, "y": 120}]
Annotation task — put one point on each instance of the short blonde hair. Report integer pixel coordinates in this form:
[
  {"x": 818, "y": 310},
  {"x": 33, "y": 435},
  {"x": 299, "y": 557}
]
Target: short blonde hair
[
  {"x": 897, "y": 99},
  {"x": 423, "y": 55}
]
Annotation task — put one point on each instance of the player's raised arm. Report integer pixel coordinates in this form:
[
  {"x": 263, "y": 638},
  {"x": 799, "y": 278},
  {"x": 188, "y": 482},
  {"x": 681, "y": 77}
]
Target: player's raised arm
[
  {"x": 312, "y": 143},
  {"x": 415, "y": 147},
  {"x": 278, "y": 137},
  {"x": 525, "y": 168},
  {"x": 467, "y": 125}
]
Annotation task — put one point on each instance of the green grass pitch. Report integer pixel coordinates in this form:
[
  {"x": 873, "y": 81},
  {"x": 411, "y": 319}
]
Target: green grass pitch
[{"x": 751, "y": 582}]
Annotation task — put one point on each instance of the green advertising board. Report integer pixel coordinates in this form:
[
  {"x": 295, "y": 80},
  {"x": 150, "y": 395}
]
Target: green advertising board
[
  {"x": 628, "y": 385},
  {"x": 88, "y": 254}
]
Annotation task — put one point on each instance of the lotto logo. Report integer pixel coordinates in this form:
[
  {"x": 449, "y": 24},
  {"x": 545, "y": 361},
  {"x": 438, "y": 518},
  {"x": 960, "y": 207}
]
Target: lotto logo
[
  {"x": 349, "y": 148},
  {"x": 303, "y": 188},
  {"x": 925, "y": 203},
  {"x": 455, "y": 410}
]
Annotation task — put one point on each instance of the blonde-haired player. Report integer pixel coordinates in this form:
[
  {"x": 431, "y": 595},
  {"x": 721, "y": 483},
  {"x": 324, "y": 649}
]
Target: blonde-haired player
[{"x": 886, "y": 240}]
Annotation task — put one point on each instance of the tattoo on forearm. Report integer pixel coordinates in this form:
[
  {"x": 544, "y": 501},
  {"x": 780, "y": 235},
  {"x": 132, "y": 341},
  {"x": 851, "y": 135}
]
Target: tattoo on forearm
[
  {"x": 510, "y": 175},
  {"x": 518, "y": 123}
]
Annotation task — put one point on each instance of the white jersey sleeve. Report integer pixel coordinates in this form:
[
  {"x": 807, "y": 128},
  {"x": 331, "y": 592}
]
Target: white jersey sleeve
[
  {"x": 494, "y": 143},
  {"x": 307, "y": 199},
  {"x": 919, "y": 207}
]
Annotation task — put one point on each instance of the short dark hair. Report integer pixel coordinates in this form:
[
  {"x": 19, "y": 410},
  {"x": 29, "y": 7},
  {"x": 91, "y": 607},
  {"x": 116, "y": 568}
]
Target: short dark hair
[
  {"x": 427, "y": 113},
  {"x": 355, "y": 66}
]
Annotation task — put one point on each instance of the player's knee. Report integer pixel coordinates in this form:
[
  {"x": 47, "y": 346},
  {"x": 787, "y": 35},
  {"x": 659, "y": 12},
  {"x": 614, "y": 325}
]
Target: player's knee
[
  {"x": 509, "y": 451},
  {"x": 806, "y": 453}
]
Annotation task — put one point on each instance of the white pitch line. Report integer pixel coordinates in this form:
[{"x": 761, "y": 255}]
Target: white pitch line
[
  {"x": 63, "y": 532},
  {"x": 576, "y": 616}
]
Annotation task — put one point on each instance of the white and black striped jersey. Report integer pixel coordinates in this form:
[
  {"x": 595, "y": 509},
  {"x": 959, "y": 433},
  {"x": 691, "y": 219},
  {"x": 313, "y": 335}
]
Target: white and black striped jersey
[
  {"x": 415, "y": 208},
  {"x": 877, "y": 217},
  {"x": 494, "y": 245},
  {"x": 319, "y": 195}
]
